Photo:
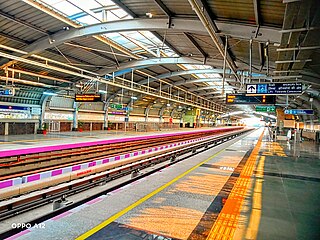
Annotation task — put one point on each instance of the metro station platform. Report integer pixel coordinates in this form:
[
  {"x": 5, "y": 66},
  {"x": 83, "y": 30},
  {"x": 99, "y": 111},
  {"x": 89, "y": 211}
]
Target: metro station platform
[{"x": 246, "y": 188}]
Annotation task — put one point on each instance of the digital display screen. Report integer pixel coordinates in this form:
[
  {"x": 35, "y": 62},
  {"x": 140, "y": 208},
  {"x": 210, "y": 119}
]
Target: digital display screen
[
  {"x": 88, "y": 98},
  {"x": 240, "y": 98}
]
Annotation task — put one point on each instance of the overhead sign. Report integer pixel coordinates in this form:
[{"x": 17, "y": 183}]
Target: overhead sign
[
  {"x": 265, "y": 109},
  {"x": 88, "y": 98},
  {"x": 274, "y": 88},
  {"x": 240, "y": 98},
  {"x": 299, "y": 111},
  {"x": 120, "y": 107},
  {"x": 35, "y": 111},
  {"x": 7, "y": 92},
  {"x": 14, "y": 108},
  {"x": 116, "y": 106}
]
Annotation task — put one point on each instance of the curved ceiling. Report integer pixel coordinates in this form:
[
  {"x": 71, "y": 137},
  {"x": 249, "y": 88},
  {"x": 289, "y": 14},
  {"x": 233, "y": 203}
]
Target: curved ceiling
[{"x": 201, "y": 48}]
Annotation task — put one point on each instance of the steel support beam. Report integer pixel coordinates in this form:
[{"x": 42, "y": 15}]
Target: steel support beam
[
  {"x": 96, "y": 53},
  {"x": 13, "y": 38},
  {"x": 197, "y": 46},
  {"x": 200, "y": 8},
  {"x": 139, "y": 64},
  {"x": 125, "y": 8},
  {"x": 164, "y": 8},
  {"x": 196, "y": 71},
  {"x": 166, "y": 43},
  {"x": 200, "y": 80},
  {"x": 23, "y": 23},
  {"x": 256, "y": 11},
  {"x": 154, "y": 24}
]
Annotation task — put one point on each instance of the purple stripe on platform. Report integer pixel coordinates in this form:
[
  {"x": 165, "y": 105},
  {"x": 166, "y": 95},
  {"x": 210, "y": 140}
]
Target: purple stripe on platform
[
  {"x": 61, "y": 215},
  {"x": 117, "y": 190},
  {"x": 127, "y": 155},
  {"x": 33, "y": 178},
  {"x": 94, "y": 201},
  {"x": 6, "y": 184},
  {"x": 16, "y": 236},
  {"x": 105, "y": 161},
  {"x": 143, "y": 151},
  {"x": 135, "y": 182},
  {"x": 150, "y": 150},
  {"x": 161, "y": 147},
  {"x": 75, "y": 168},
  {"x": 7, "y": 153},
  {"x": 117, "y": 158},
  {"x": 56, "y": 172},
  {"x": 135, "y": 154},
  {"x": 91, "y": 164}
]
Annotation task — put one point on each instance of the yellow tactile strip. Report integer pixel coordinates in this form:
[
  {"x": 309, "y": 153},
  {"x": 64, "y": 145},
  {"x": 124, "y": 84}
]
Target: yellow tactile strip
[
  {"x": 167, "y": 220},
  {"x": 226, "y": 223}
]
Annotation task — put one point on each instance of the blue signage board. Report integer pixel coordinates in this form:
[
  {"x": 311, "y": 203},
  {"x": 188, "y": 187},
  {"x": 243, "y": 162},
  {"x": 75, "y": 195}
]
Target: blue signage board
[
  {"x": 6, "y": 92},
  {"x": 17, "y": 108},
  {"x": 299, "y": 111},
  {"x": 274, "y": 88}
]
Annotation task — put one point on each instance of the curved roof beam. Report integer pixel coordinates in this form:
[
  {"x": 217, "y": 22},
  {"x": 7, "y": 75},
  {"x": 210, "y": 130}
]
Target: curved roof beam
[
  {"x": 139, "y": 64},
  {"x": 199, "y": 80},
  {"x": 196, "y": 71},
  {"x": 177, "y": 24}
]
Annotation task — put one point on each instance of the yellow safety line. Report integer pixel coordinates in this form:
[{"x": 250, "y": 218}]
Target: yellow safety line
[
  {"x": 226, "y": 223},
  {"x": 137, "y": 203},
  {"x": 255, "y": 216}
]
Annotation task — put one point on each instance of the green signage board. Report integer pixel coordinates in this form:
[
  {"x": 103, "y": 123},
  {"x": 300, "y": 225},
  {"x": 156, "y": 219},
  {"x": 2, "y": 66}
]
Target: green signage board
[
  {"x": 116, "y": 106},
  {"x": 265, "y": 109}
]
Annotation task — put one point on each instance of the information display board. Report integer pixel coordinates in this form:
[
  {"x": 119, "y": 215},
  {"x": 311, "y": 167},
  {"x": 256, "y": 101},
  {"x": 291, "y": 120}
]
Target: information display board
[
  {"x": 299, "y": 111},
  {"x": 274, "y": 88},
  {"x": 14, "y": 108},
  {"x": 88, "y": 98},
  {"x": 265, "y": 109},
  {"x": 240, "y": 98}
]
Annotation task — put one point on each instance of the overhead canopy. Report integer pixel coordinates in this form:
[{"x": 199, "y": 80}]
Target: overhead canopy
[{"x": 197, "y": 47}]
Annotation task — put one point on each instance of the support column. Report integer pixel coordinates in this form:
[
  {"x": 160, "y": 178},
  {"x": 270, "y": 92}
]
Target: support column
[
  {"x": 105, "y": 116},
  {"x": 75, "y": 117},
  {"x": 43, "y": 102},
  {"x": 6, "y": 128}
]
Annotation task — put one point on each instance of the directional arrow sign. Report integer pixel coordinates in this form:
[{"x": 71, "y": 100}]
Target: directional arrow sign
[
  {"x": 265, "y": 108},
  {"x": 274, "y": 88},
  {"x": 251, "y": 88}
]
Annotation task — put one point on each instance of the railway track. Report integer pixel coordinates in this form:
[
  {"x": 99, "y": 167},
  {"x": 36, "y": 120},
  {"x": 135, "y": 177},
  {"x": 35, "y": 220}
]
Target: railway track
[
  {"x": 159, "y": 160},
  {"x": 22, "y": 165}
]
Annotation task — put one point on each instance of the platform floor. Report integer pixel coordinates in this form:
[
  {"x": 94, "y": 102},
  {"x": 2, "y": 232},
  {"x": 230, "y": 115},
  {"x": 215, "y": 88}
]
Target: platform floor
[
  {"x": 39, "y": 140},
  {"x": 248, "y": 188}
]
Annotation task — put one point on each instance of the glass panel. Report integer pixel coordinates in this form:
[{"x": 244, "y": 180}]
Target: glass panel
[
  {"x": 88, "y": 20},
  {"x": 63, "y": 6}
]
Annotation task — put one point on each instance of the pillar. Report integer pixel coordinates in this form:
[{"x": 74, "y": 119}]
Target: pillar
[
  {"x": 75, "y": 117},
  {"x": 6, "y": 128}
]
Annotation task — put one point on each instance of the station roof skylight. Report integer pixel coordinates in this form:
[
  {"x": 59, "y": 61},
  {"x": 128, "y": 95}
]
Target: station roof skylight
[
  {"x": 90, "y": 12},
  {"x": 95, "y": 11}
]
